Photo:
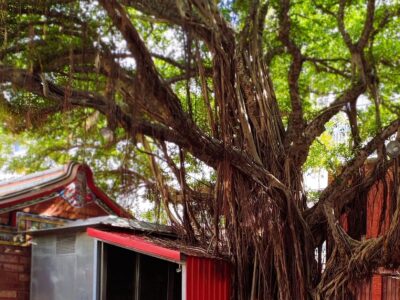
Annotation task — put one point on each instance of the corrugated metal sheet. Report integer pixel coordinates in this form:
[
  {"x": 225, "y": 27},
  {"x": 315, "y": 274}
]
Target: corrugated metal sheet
[
  {"x": 376, "y": 287},
  {"x": 111, "y": 221},
  {"x": 384, "y": 284},
  {"x": 379, "y": 287},
  {"x": 390, "y": 288},
  {"x": 363, "y": 291},
  {"x": 207, "y": 279},
  {"x": 62, "y": 275},
  {"x": 375, "y": 204}
]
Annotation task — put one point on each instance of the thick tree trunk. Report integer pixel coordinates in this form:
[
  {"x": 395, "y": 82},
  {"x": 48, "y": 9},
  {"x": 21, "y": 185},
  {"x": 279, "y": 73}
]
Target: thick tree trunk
[
  {"x": 264, "y": 230},
  {"x": 272, "y": 255}
]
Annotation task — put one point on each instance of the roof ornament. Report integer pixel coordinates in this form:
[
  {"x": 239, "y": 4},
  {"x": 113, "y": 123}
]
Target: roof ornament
[{"x": 77, "y": 193}]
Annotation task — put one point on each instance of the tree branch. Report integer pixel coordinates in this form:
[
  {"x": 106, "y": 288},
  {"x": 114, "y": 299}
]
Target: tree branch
[
  {"x": 334, "y": 192},
  {"x": 175, "y": 12},
  {"x": 317, "y": 126},
  {"x": 207, "y": 149},
  {"x": 322, "y": 65},
  {"x": 33, "y": 83},
  {"x": 351, "y": 111},
  {"x": 148, "y": 80},
  {"x": 296, "y": 120},
  {"x": 342, "y": 28},
  {"x": 368, "y": 26}
]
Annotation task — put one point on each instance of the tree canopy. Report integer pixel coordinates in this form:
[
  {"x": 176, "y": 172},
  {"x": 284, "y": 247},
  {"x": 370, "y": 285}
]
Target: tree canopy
[{"x": 213, "y": 111}]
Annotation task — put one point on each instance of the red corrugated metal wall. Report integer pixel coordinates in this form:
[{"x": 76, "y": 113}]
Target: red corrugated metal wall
[
  {"x": 379, "y": 287},
  {"x": 375, "y": 204},
  {"x": 385, "y": 284},
  {"x": 364, "y": 290},
  {"x": 376, "y": 287},
  {"x": 382, "y": 286},
  {"x": 390, "y": 288},
  {"x": 207, "y": 279}
]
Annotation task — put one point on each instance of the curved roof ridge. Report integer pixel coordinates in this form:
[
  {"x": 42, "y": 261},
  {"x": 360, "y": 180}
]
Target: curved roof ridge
[
  {"x": 45, "y": 183},
  {"x": 17, "y": 178},
  {"x": 35, "y": 180}
]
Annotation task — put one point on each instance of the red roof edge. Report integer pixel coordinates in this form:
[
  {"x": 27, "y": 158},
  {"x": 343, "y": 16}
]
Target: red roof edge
[
  {"x": 115, "y": 207},
  {"x": 136, "y": 243},
  {"x": 66, "y": 177}
]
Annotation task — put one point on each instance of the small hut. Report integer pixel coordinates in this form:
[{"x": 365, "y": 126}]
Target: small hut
[{"x": 115, "y": 258}]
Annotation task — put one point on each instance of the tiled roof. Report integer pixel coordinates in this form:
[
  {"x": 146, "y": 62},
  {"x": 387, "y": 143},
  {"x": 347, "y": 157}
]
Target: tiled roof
[
  {"x": 20, "y": 192},
  {"x": 30, "y": 181}
]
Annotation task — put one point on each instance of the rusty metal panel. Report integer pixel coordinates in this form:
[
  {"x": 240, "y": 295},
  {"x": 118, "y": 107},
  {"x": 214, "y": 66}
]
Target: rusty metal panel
[{"x": 207, "y": 279}]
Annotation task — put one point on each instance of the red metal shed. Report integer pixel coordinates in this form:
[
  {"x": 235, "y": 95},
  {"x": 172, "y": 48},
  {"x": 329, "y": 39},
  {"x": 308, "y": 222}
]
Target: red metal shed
[
  {"x": 207, "y": 279},
  {"x": 157, "y": 264},
  {"x": 383, "y": 285},
  {"x": 204, "y": 277}
]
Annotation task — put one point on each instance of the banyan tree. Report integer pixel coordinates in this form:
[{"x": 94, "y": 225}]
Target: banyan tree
[{"x": 248, "y": 90}]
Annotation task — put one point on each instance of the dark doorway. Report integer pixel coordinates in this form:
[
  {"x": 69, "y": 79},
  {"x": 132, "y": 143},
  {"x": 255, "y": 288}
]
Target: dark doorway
[
  {"x": 129, "y": 275},
  {"x": 120, "y": 280},
  {"x": 159, "y": 279}
]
